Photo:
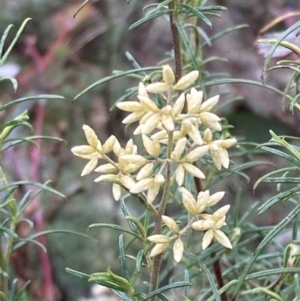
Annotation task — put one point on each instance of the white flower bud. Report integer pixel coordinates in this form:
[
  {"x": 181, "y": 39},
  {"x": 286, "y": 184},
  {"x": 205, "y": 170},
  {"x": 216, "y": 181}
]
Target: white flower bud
[
  {"x": 187, "y": 80},
  {"x": 168, "y": 75}
]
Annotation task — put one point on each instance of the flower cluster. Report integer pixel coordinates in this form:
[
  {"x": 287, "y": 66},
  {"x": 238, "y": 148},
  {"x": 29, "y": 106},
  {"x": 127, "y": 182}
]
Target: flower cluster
[{"x": 175, "y": 136}]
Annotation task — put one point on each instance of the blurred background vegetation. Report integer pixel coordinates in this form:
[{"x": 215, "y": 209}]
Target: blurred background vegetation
[{"x": 62, "y": 55}]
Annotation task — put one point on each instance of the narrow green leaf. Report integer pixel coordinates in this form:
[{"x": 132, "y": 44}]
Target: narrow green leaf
[
  {"x": 243, "y": 81},
  {"x": 282, "y": 37},
  {"x": 9, "y": 232},
  {"x": 12, "y": 290},
  {"x": 114, "y": 227},
  {"x": 209, "y": 276},
  {"x": 187, "y": 44},
  {"x": 22, "y": 290},
  {"x": 196, "y": 13},
  {"x": 267, "y": 273},
  {"x": 11, "y": 46},
  {"x": 276, "y": 230},
  {"x": 28, "y": 98},
  {"x": 12, "y": 80},
  {"x": 150, "y": 16},
  {"x": 32, "y": 238},
  {"x": 123, "y": 257},
  {"x": 139, "y": 260},
  {"x": 225, "y": 32},
  {"x": 122, "y": 295},
  {"x": 114, "y": 76},
  {"x": 166, "y": 288},
  {"x": 282, "y": 155},
  {"x": 78, "y": 274},
  {"x": 126, "y": 213},
  {"x": 284, "y": 180},
  {"x": 139, "y": 225},
  {"x": 3, "y": 38},
  {"x": 262, "y": 179},
  {"x": 281, "y": 196},
  {"x": 43, "y": 186}
]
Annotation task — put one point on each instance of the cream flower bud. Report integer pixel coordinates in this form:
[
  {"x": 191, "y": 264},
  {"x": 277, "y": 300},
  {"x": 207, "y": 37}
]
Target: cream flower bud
[
  {"x": 90, "y": 166},
  {"x": 116, "y": 190},
  {"x": 194, "y": 101},
  {"x": 84, "y": 151},
  {"x": 211, "y": 120},
  {"x": 107, "y": 177},
  {"x": 117, "y": 148},
  {"x": 209, "y": 104},
  {"x": 178, "y": 248},
  {"x": 130, "y": 106},
  {"x": 207, "y": 238},
  {"x": 193, "y": 170},
  {"x": 179, "y": 149},
  {"x": 127, "y": 181},
  {"x": 168, "y": 75},
  {"x": 159, "y": 179},
  {"x": 203, "y": 225},
  {"x": 142, "y": 90},
  {"x": 158, "y": 249},
  {"x": 157, "y": 88},
  {"x": 187, "y": 80},
  {"x": 170, "y": 223},
  {"x": 135, "y": 159},
  {"x": 207, "y": 136},
  {"x": 196, "y": 154},
  {"x": 90, "y": 135},
  {"x": 179, "y": 105},
  {"x": 145, "y": 171},
  {"x": 222, "y": 239},
  {"x": 148, "y": 104},
  {"x": 130, "y": 148},
  {"x": 228, "y": 143},
  {"x": 133, "y": 117},
  {"x": 215, "y": 198},
  {"x": 159, "y": 239},
  {"x": 220, "y": 213},
  {"x": 152, "y": 147},
  {"x": 151, "y": 124},
  {"x": 179, "y": 175},
  {"x": 106, "y": 168},
  {"x": 109, "y": 144},
  {"x": 141, "y": 185}
]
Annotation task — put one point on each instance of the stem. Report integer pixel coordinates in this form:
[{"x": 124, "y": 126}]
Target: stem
[
  {"x": 154, "y": 276},
  {"x": 176, "y": 39}
]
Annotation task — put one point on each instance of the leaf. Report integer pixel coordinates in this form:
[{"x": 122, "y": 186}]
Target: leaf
[
  {"x": 166, "y": 288},
  {"x": 243, "y": 81},
  {"x": 78, "y": 274},
  {"x": 9, "y": 49},
  {"x": 12, "y": 80},
  {"x": 275, "y": 230},
  {"x": 123, "y": 257},
  {"x": 32, "y": 238},
  {"x": 187, "y": 44},
  {"x": 20, "y": 100},
  {"x": 150, "y": 16},
  {"x": 114, "y": 227},
  {"x": 114, "y": 76},
  {"x": 196, "y": 13},
  {"x": 281, "y": 196},
  {"x": 43, "y": 186}
]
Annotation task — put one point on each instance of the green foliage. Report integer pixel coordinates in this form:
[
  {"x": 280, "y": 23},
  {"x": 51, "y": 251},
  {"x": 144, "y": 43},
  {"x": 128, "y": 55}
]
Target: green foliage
[
  {"x": 250, "y": 268},
  {"x": 12, "y": 204}
]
